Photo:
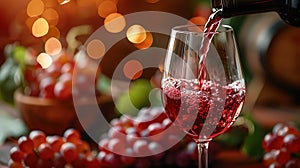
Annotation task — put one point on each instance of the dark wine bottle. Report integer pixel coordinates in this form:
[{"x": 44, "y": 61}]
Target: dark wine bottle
[{"x": 289, "y": 10}]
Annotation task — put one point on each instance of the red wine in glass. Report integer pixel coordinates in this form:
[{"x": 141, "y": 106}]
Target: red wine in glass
[
  {"x": 199, "y": 109},
  {"x": 203, "y": 88}
]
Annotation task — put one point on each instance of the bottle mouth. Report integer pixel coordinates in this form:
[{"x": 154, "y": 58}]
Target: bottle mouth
[{"x": 216, "y": 4}]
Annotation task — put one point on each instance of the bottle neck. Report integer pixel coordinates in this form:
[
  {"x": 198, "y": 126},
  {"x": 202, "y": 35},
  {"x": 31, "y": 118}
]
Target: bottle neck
[{"x": 241, "y": 7}]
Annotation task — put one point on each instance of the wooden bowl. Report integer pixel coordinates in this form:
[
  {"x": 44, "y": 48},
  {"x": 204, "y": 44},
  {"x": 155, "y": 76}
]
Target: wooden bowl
[{"x": 54, "y": 116}]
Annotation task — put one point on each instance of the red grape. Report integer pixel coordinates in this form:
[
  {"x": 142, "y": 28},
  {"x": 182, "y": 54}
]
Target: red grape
[
  {"x": 53, "y": 151},
  {"x": 154, "y": 131},
  {"x": 83, "y": 147},
  {"x": 45, "y": 151},
  {"x": 116, "y": 145},
  {"x": 292, "y": 143},
  {"x": 44, "y": 163},
  {"x": 55, "y": 142},
  {"x": 47, "y": 87},
  {"x": 116, "y": 132},
  {"x": 68, "y": 151},
  {"x": 283, "y": 156},
  {"x": 26, "y": 145},
  {"x": 280, "y": 144},
  {"x": 59, "y": 161},
  {"x": 16, "y": 154},
  {"x": 140, "y": 147},
  {"x": 67, "y": 67},
  {"x": 293, "y": 163},
  {"x": 12, "y": 164},
  {"x": 38, "y": 137},
  {"x": 31, "y": 160},
  {"x": 72, "y": 135},
  {"x": 91, "y": 162},
  {"x": 63, "y": 89},
  {"x": 53, "y": 70},
  {"x": 128, "y": 159},
  {"x": 272, "y": 141}
]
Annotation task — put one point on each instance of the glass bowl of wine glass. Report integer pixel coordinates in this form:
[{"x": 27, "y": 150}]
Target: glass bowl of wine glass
[{"x": 203, "y": 87}]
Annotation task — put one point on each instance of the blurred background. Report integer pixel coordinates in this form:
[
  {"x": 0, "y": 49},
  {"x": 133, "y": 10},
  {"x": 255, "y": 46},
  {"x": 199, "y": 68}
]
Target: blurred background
[{"x": 269, "y": 49}]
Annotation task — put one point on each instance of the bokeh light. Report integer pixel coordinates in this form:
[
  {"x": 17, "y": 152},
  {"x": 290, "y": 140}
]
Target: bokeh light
[
  {"x": 62, "y": 2},
  {"x": 44, "y": 60},
  {"x": 35, "y": 8},
  {"x": 95, "y": 49},
  {"x": 147, "y": 43},
  {"x": 51, "y": 16},
  {"x": 133, "y": 69},
  {"x": 40, "y": 27},
  {"x": 114, "y": 23},
  {"x": 198, "y": 20},
  {"x": 53, "y": 46},
  {"x": 106, "y": 7},
  {"x": 136, "y": 34}
]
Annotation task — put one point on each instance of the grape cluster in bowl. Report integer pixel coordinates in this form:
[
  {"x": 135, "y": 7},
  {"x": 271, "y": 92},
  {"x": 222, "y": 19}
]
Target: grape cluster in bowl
[
  {"x": 56, "y": 81},
  {"x": 281, "y": 146}
]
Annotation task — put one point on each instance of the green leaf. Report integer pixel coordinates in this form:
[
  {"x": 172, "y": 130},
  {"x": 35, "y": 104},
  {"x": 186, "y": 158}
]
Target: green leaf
[
  {"x": 11, "y": 71},
  {"x": 19, "y": 54},
  {"x": 104, "y": 84},
  {"x": 10, "y": 126},
  {"x": 253, "y": 143}
]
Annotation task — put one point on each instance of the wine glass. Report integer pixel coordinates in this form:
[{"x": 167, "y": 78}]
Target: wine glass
[{"x": 203, "y": 88}]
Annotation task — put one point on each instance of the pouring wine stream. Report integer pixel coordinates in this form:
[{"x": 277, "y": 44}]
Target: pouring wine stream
[{"x": 210, "y": 28}]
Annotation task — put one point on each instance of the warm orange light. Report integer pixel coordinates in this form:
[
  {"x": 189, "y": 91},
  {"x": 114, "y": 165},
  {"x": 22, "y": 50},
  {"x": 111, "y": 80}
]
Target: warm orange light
[
  {"x": 146, "y": 43},
  {"x": 133, "y": 69},
  {"x": 98, "y": 2},
  {"x": 106, "y": 7},
  {"x": 85, "y": 3},
  {"x": 62, "y": 2},
  {"x": 136, "y": 34},
  {"x": 53, "y": 32},
  {"x": 95, "y": 49},
  {"x": 161, "y": 67},
  {"x": 152, "y": 1},
  {"x": 114, "y": 23},
  {"x": 44, "y": 60},
  {"x": 51, "y": 16},
  {"x": 35, "y": 8},
  {"x": 198, "y": 20},
  {"x": 53, "y": 46},
  {"x": 50, "y": 3},
  {"x": 40, "y": 27}
]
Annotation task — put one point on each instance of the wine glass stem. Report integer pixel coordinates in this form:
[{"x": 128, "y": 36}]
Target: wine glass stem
[{"x": 203, "y": 154}]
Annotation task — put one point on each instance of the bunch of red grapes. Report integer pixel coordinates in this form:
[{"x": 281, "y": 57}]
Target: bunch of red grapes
[
  {"x": 138, "y": 138},
  {"x": 55, "y": 81},
  {"x": 40, "y": 151},
  {"x": 281, "y": 146}
]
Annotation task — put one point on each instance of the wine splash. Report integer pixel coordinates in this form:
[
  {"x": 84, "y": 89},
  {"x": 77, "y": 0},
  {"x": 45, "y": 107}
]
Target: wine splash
[{"x": 202, "y": 114}]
